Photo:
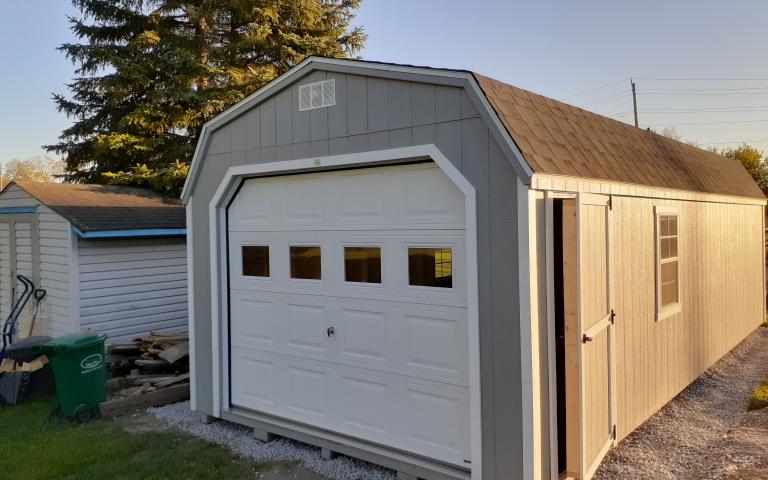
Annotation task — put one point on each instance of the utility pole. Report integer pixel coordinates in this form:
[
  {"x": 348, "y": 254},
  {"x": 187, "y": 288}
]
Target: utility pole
[{"x": 634, "y": 99}]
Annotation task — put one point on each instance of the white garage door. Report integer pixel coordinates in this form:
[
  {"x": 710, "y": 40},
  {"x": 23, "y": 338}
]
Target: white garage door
[{"x": 348, "y": 305}]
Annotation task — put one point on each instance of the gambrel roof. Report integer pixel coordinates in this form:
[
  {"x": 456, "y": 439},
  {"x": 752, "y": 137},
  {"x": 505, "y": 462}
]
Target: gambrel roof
[
  {"x": 545, "y": 135},
  {"x": 557, "y": 138}
]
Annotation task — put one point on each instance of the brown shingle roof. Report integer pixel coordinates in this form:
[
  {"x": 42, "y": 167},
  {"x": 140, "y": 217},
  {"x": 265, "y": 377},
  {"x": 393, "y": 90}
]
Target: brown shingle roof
[
  {"x": 92, "y": 208},
  {"x": 557, "y": 138}
]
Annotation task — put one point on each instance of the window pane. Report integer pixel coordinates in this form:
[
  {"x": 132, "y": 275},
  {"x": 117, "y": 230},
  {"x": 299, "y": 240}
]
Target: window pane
[
  {"x": 669, "y": 282},
  {"x": 362, "y": 264},
  {"x": 668, "y": 247},
  {"x": 256, "y": 261},
  {"x": 430, "y": 267},
  {"x": 305, "y": 263},
  {"x": 672, "y": 225},
  {"x": 668, "y": 272}
]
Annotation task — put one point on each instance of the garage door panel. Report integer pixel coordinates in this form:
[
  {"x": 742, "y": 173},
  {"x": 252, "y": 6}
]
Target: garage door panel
[
  {"x": 437, "y": 344},
  {"x": 430, "y": 198},
  {"x": 364, "y": 335},
  {"x": 307, "y": 326},
  {"x": 366, "y": 409},
  {"x": 307, "y": 391},
  {"x": 394, "y": 264},
  {"x": 387, "y": 409},
  {"x": 375, "y": 357},
  {"x": 256, "y": 321},
  {"x": 406, "y": 339},
  {"x": 435, "y": 420},
  {"x": 257, "y": 388},
  {"x": 415, "y": 195}
]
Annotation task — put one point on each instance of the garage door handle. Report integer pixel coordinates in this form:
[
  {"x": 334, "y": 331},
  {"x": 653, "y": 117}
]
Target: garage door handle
[{"x": 330, "y": 331}]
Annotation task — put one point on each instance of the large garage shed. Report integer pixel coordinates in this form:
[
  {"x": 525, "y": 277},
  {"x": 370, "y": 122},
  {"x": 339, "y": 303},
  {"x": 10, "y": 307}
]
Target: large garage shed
[
  {"x": 453, "y": 277},
  {"x": 110, "y": 259}
]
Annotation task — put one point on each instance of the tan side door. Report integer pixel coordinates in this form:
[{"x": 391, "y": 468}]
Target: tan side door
[{"x": 596, "y": 320}]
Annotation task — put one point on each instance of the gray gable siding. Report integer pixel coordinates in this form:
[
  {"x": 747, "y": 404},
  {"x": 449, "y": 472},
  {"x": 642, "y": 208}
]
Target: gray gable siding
[{"x": 378, "y": 113}]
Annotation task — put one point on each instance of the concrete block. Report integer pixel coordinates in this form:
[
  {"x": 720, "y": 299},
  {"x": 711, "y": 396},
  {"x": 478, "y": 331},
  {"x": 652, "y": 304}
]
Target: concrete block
[
  {"x": 263, "y": 435},
  {"x": 328, "y": 454},
  {"x": 207, "y": 419},
  {"x": 406, "y": 476}
]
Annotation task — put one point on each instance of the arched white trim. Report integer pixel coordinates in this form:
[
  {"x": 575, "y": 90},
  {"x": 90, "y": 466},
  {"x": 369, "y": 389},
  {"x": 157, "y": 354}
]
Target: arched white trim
[{"x": 218, "y": 248}]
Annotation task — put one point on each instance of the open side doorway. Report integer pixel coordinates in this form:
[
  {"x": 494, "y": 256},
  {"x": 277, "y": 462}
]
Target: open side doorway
[{"x": 581, "y": 324}]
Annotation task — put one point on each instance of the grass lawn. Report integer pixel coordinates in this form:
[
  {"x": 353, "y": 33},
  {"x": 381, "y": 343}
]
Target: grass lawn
[{"x": 34, "y": 446}]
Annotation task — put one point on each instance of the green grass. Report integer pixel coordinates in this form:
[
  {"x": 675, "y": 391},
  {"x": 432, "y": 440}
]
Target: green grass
[
  {"x": 34, "y": 446},
  {"x": 759, "y": 397}
]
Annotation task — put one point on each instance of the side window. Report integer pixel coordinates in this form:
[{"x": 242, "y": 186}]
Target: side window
[
  {"x": 362, "y": 264},
  {"x": 667, "y": 262},
  {"x": 255, "y": 260},
  {"x": 430, "y": 267},
  {"x": 305, "y": 262}
]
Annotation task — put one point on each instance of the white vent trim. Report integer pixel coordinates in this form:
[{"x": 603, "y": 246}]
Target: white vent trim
[{"x": 317, "y": 95}]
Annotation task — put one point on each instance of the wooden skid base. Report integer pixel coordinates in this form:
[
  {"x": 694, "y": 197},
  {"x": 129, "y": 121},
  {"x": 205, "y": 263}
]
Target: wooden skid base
[{"x": 121, "y": 406}]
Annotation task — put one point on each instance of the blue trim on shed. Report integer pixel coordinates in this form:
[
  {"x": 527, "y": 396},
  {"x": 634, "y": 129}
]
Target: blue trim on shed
[
  {"x": 15, "y": 210},
  {"x": 150, "y": 232}
]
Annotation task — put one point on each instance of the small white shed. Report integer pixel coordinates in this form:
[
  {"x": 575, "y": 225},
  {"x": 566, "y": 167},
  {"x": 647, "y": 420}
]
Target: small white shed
[{"x": 111, "y": 259}]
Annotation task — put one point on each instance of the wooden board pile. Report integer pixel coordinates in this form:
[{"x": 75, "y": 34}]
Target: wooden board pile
[{"x": 147, "y": 371}]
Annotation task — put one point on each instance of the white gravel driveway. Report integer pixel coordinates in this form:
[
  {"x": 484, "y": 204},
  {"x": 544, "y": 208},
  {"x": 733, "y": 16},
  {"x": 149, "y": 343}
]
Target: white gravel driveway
[{"x": 704, "y": 432}]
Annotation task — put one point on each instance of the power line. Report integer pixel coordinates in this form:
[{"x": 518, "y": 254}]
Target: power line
[
  {"x": 736, "y": 141},
  {"x": 707, "y": 123},
  {"x": 594, "y": 89},
  {"x": 610, "y": 98},
  {"x": 703, "y": 79},
  {"x": 651, "y": 92},
  {"x": 704, "y": 89}
]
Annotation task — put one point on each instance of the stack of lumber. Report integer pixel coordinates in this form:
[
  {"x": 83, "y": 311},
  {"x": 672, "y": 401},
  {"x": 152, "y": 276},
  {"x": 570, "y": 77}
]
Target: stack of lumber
[{"x": 147, "y": 371}]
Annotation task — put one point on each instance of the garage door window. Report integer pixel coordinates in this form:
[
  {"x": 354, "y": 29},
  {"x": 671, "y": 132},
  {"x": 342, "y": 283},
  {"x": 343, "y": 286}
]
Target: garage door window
[
  {"x": 430, "y": 267},
  {"x": 305, "y": 263},
  {"x": 255, "y": 260},
  {"x": 362, "y": 264}
]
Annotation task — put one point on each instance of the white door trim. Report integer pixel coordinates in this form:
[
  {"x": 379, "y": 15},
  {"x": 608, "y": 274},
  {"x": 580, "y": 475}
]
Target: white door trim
[{"x": 219, "y": 275}]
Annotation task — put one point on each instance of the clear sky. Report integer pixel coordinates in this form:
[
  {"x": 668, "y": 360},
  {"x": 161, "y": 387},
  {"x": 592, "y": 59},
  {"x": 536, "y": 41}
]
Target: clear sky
[{"x": 699, "y": 65}]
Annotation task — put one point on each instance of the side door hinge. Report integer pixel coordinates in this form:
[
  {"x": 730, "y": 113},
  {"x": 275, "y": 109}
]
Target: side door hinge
[
  {"x": 613, "y": 317},
  {"x": 614, "y": 432}
]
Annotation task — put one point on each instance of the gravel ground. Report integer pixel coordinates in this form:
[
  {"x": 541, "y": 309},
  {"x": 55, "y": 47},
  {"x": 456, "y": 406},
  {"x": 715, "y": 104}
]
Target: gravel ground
[
  {"x": 704, "y": 432},
  {"x": 240, "y": 440}
]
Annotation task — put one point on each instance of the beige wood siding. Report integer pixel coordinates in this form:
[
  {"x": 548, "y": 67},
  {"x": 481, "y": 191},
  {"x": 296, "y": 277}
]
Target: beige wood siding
[{"x": 721, "y": 275}]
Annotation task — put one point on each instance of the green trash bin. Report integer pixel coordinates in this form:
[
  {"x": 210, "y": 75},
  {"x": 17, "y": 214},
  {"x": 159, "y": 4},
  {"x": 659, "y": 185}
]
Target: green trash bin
[{"x": 80, "y": 374}]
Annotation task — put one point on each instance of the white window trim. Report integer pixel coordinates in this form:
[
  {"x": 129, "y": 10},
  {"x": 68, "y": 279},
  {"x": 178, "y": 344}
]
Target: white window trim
[{"x": 675, "y": 308}]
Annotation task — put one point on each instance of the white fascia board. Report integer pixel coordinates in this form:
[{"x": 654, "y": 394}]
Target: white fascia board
[{"x": 316, "y": 63}]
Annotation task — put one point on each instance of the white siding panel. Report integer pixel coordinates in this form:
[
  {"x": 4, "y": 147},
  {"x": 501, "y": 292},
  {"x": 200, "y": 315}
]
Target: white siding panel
[
  {"x": 53, "y": 316},
  {"x": 129, "y": 287},
  {"x": 55, "y": 275}
]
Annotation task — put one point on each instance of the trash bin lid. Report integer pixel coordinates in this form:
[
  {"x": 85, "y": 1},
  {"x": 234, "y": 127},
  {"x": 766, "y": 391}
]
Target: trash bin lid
[
  {"x": 75, "y": 341},
  {"x": 29, "y": 342}
]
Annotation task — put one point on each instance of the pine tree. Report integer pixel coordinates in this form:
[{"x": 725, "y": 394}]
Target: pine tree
[{"x": 151, "y": 72}]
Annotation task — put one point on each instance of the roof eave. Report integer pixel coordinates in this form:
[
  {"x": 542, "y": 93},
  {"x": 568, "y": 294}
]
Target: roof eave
[{"x": 136, "y": 233}]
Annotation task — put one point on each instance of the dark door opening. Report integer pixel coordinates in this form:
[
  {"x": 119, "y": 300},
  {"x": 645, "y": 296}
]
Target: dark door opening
[{"x": 559, "y": 297}]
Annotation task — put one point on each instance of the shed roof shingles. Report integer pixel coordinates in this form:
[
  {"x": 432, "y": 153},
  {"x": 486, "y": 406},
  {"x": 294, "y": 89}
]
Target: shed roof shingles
[
  {"x": 92, "y": 208},
  {"x": 560, "y": 139}
]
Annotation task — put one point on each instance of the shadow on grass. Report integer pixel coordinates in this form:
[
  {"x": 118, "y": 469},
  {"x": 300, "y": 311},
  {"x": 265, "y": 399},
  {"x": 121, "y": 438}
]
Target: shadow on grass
[{"x": 36, "y": 446}]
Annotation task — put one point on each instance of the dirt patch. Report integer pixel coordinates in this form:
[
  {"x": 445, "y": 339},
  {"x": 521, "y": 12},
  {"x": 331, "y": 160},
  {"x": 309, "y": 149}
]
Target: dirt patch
[{"x": 705, "y": 432}]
